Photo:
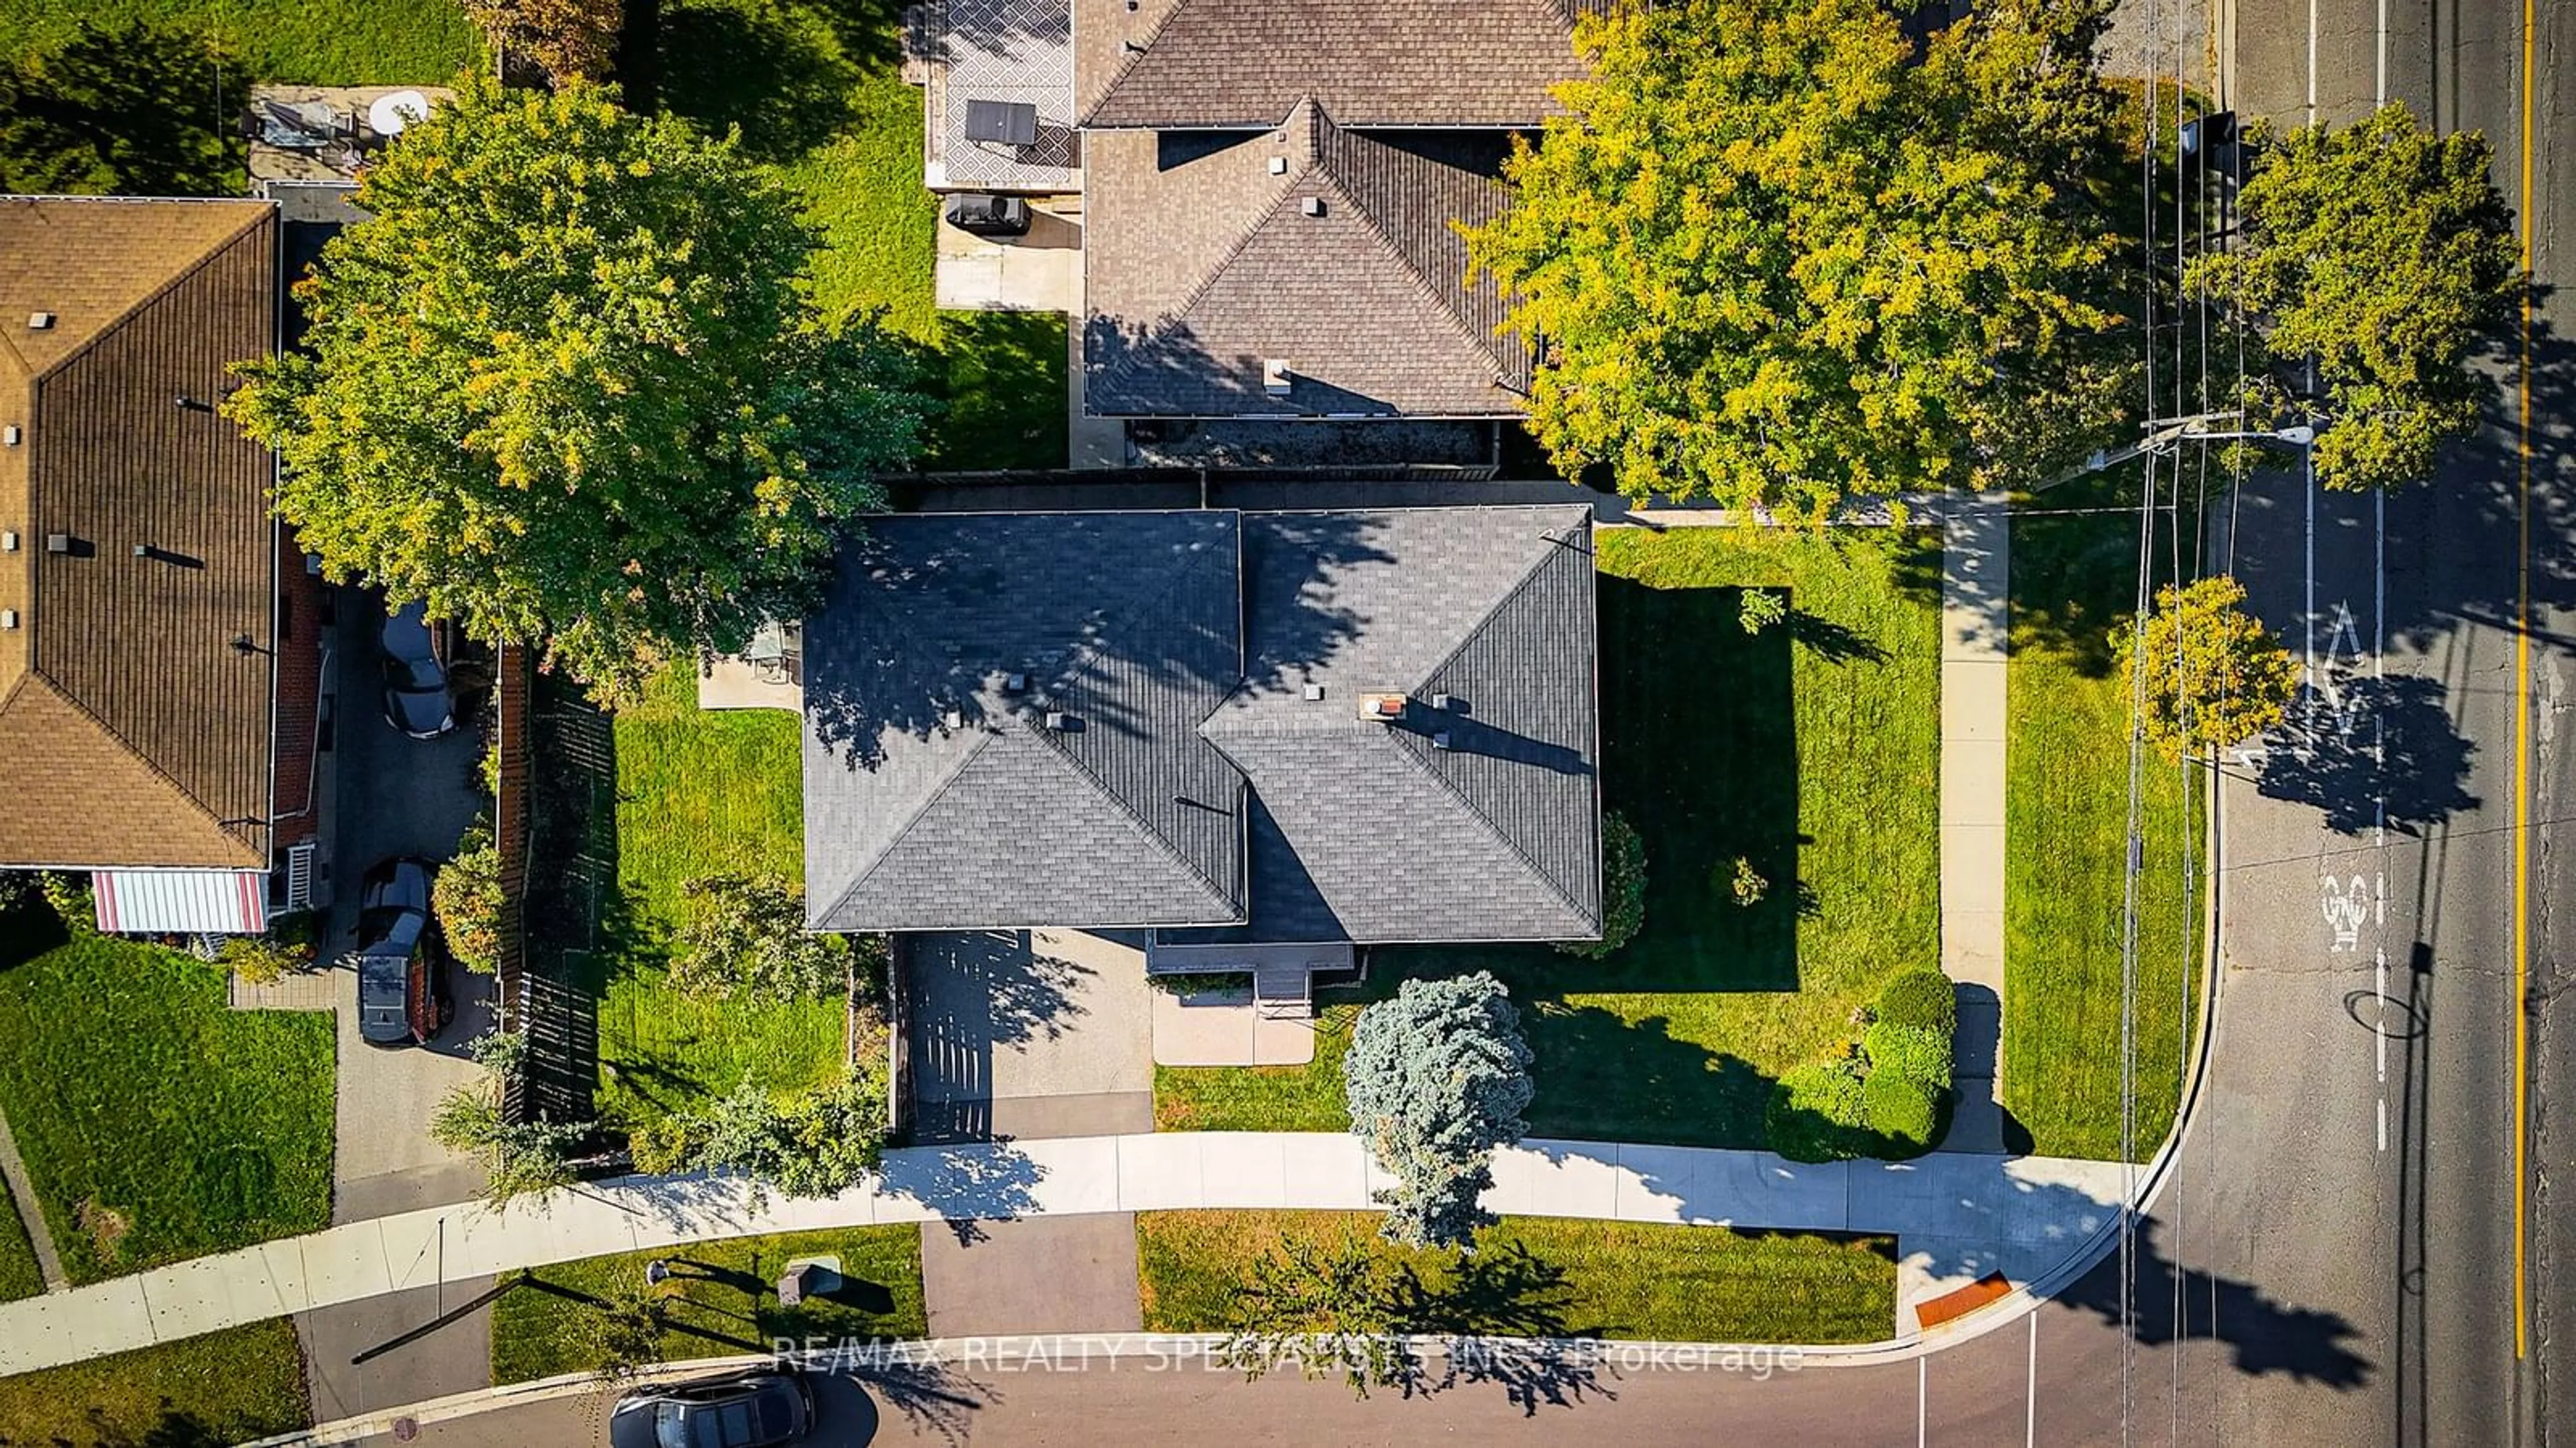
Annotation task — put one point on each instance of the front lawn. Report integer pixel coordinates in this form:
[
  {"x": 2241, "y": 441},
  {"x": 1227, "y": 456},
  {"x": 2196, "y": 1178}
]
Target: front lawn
[
  {"x": 1809, "y": 750},
  {"x": 301, "y": 42},
  {"x": 2066, "y": 825},
  {"x": 818, "y": 91},
  {"x": 158, "y": 1124},
  {"x": 700, "y": 792},
  {"x": 222, "y": 1387},
  {"x": 724, "y": 1296},
  {"x": 1626, "y": 1280}
]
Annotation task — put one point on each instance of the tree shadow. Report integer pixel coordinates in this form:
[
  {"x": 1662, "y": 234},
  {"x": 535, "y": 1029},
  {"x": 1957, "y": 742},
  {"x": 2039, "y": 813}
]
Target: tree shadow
[
  {"x": 2267, "y": 1337},
  {"x": 779, "y": 70},
  {"x": 135, "y": 110},
  {"x": 2365, "y": 751},
  {"x": 1834, "y": 642},
  {"x": 999, "y": 380},
  {"x": 964, "y": 1183},
  {"x": 1591, "y": 1062}
]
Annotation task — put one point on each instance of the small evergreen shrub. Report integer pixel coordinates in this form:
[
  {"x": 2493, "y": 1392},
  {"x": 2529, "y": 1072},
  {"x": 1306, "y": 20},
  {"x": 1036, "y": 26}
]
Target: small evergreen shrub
[
  {"x": 1623, "y": 889},
  {"x": 1900, "y": 1111},
  {"x": 1909, "y": 1051},
  {"x": 1920, "y": 998}
]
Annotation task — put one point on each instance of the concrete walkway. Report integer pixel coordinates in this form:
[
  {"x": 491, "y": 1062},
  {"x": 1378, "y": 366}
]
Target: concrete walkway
[
  {"x": 1956, "y": 1218},
  {"x": 16, "y": 1185},
  {"x": 1976, "y": 621}
]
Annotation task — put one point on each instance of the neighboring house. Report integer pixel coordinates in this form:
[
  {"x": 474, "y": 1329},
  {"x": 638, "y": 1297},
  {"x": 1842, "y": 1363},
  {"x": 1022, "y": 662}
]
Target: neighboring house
[
  {"x": 159, "y": 665},
  {"x": 1267, "y": 189},
  {"x": 1240, "y": 730}
]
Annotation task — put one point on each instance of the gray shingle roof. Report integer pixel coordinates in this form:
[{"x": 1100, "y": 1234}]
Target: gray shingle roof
[
  {"x": 1204, "y": 786},
  {"x": 1126, "y": 623},
  {"x": 1244, "y": 63},
  {"x": 1201, "y": 265}
]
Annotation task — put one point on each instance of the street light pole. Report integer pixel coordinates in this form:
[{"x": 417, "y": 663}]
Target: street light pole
[{"x": 2162, "y": 435}]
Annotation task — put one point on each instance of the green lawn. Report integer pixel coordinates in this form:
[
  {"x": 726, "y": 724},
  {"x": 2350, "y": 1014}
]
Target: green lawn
[
  {"x": 19, "y": 1275},
  {"x": 305, "y": 42},
  {"x": 1811, "y": 749},
  {"x": 727, "y": 1296},
  {"x": 2073, "y": 579},
  {"x": 817, "y": 90},
  {"x": 701, "y": 792},
  {"x": 223, "y": 1387},
  {"x": 157, "y": 1123},
  {"x": 1608, "y": 1279}
]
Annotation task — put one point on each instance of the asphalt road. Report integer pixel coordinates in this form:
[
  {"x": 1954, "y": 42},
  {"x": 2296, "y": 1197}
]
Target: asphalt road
[{"x": 2299, "y": 1281}]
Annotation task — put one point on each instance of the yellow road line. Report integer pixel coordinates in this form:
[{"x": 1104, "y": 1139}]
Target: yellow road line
[{"x": 2521, "y": 754}]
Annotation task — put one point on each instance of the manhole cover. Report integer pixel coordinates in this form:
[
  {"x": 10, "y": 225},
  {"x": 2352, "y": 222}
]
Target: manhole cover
[{"x": 406, "y": 1429}]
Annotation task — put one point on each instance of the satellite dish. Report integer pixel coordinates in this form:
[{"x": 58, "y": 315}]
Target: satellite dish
[{"x": 391, "y": 113}]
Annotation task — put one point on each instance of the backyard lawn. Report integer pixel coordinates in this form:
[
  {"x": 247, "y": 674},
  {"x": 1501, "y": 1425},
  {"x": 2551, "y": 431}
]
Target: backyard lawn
[
  {"x": 2066, "y": 820},
  {"x": 222, "y": 1387},
  {"x": 1810, "y": 750},
  {"x": 304, "y": 42},
  {"x": 1625, "y": 1280},
  {"x": 701, "y": 792},
  {"x": 157, "y": 1123},
  {"x": 724, "y": 1297},
  {"x": 817, "y": 90}
]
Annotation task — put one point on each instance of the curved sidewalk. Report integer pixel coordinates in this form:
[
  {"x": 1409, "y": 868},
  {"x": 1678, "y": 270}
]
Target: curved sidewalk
[{"x": 1956, "y": 1217}]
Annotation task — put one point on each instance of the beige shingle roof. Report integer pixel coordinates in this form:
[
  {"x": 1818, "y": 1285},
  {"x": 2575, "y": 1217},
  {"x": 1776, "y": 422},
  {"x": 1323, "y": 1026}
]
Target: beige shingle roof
[{"x": 132, "y": 731}]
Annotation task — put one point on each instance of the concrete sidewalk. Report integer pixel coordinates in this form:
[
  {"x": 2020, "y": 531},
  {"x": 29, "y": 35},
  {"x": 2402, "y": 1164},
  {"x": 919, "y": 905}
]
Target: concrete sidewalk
[
  {"x": 1956, "y": 1217},
  {"x": 1976, "y": 621}
]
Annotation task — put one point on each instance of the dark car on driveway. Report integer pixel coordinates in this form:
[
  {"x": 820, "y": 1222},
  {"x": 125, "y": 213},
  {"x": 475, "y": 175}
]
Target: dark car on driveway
[
  {"x": 418, "y": 698},
  {"x": 402, "y": 970},
  {"x": 754, "y": 1409}
]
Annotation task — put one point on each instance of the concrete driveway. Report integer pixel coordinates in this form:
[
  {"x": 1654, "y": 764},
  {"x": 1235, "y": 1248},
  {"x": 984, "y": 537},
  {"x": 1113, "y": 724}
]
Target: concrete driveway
[{"x": 1029, "y": 1034}]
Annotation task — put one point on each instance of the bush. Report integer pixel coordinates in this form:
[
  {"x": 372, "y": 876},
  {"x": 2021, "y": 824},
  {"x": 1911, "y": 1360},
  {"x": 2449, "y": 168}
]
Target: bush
[
  {"x": 1183, "y": 983},
  {"x": 813, "y": 1144},
  {"x": 1920, "y": 998},
  {"x": 1623, "y": 889},
  {"x": 259, "y": 960},
  {"x": 1759, "y": 608},
  {"x": 467, "y": 899},
  {"x": 1816, "y": 1113},
  {"x": 1918, "y": 1055},
  {"x": 746, "y": 933},
  {"x": 1748, "y": 885},
  {"x": 1900, "y": 1111},
  {"x": 19, "y": 889},
  {"x": 68, "y": 893}
]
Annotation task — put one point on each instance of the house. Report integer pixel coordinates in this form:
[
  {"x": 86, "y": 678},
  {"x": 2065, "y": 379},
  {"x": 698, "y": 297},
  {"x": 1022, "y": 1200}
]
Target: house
[
  {"x": 1267, "y": 191},
  {"x": 1235, "y": 730},
  {"x": 159, "y": 668}
]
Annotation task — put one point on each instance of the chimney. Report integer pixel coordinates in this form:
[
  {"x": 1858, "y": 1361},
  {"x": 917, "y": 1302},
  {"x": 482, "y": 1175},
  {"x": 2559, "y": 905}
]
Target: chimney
[
  {"x": 1385, "y": 708},
  {"x": 1275, "y": 376}
]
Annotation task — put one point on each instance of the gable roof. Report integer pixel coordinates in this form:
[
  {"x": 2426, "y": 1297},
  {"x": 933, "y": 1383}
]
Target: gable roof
[
  {"x": 133, "y": 731},
  {"x": 1226, "y": 64},
  {"x": 1201, "y": 265},
  {"x": 1201, "y": 786},
  {"x": 937, "y": 796}
]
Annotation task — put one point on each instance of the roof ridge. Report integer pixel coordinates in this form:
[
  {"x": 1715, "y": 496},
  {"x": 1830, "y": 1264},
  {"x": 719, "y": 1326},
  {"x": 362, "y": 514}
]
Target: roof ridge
[
  {"x": 1519, "y": 586},
  {"x": 1135, "y": 817},
  {"x": 260, "y": 213},
  {"x": 1445, "y": 304},
  {"x": 63, "y": 696},
  {"x": 1538, "y": 872},
  {"x": 910, "y": 823},
  {"x": 1145, "y": 48}
]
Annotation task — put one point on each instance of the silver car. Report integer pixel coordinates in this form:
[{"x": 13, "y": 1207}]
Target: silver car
[{"x": 755, "y": 1409}]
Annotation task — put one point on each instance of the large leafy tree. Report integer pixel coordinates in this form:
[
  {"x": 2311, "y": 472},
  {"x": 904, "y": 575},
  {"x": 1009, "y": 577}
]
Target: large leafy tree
[
  {"x": 1772, "y": 255},
  {"x": 568, "y": 385},
  {"x": 117, "y": 111},
  {"x": 2386, "y": 254},
  {"x": 1436, "y": 1078},
  {"x": 2215, "y": 676}
]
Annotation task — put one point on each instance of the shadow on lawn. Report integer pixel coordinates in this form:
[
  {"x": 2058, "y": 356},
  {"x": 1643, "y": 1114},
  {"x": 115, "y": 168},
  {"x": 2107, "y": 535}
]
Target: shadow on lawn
[{"x": 785, "y": 72}]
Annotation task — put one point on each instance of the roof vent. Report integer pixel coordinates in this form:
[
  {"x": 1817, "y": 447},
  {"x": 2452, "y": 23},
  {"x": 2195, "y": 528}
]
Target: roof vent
[
  {"x": 9, "y": 541},
  {"x": 1382, "y": 707},
  {"x": 8, "y": 618},
  {"x": 1275, "y": 376},
  {"x": 1278, "y": 165},
  {"x": 10, "y": 434},
  {"x": 1312, "y": 206},
  {"x": 1314, "y": 693},
  {"x": 1062, "y": 722},
  {"x": 1440, "y": 740},
  {"x": 1440, "y": 702},
  {"x": 1015, "y": 683},
  {"x": 40, "y": 321},
  {"x": 954, "y": 718},
  {"x": 58, "y": 542}
]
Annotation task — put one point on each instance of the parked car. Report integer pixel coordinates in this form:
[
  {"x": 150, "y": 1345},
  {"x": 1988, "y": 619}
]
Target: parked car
[
  {"x": 979, "y": 214},
  {"x": 402, "y": 968},
  {"x": 418, "y": 699},
  {"x": 753, "y": 1409}
]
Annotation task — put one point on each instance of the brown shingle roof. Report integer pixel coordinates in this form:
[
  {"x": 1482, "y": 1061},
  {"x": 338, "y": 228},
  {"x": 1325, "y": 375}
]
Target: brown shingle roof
[
  {"x": 1218, "y": 64},
  {"x": 1201, "y": 264},
  {"x": 132, "y": 731}
]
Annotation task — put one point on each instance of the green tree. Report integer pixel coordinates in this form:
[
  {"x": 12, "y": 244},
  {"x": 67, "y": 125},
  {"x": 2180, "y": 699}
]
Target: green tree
[
  {"x": 2215, "y": 675},
  {"x": 1771, "y": 256},
  {"x": 813, "y": 1144},
  {"x": 2386, "y": 254},
  {"x": 128, "y": 111},
  {"x": 467, "y": 899},
  {"x": 568, "y": 384},
  {"x": 518, "y": 1157},
  {"x": 1436, "y": 1078},
  {"x": 746, "y": 934}
]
